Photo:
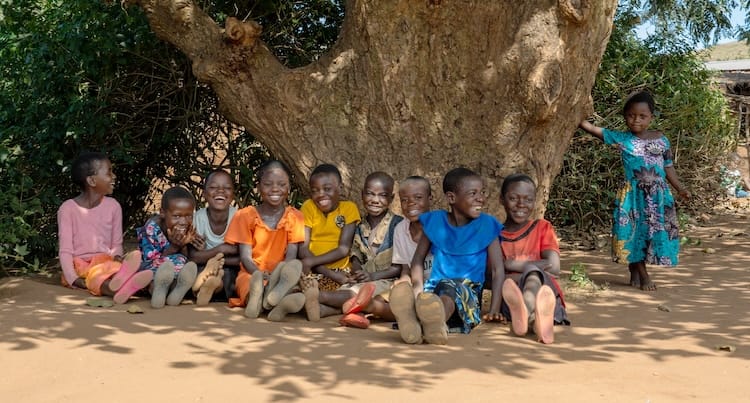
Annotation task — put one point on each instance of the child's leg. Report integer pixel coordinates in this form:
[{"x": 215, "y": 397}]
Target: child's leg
[
  {"x": 532, "y": 283},
  {"x": 230, "y": 281},
  {"x": 336, "y": 298},
  {"x": 254, "y": 296},
  {"x": 646, "y": 283},
  {"x": 635, "y": 277},
  {"x": 381, "y": 309},
  {"x": 290, "y": 303},
  {"x": 309, "y": 286}
]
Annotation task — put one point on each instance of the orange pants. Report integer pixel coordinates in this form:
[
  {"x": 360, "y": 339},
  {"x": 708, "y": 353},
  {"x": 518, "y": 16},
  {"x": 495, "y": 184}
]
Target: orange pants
[
  {"x": 94, "y": 271},
  {"x": 242, "y": 288}
]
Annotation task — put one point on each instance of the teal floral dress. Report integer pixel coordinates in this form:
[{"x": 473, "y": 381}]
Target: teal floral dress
[{"x": 645, "y": 227}]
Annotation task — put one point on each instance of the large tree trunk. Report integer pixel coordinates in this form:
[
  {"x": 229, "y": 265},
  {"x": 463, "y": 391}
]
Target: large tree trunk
[{"x": 411, "y": 87}]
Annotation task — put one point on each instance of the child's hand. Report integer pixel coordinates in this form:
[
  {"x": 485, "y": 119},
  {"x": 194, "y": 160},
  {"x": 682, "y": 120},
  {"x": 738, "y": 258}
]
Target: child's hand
[
  {"x": 342, "y": 278},
  {"x": 361, "y": 276},
  {"x": 684, "y": 194},
  {"x": 198, "y": 242},
  {"x": 493, "y": 317},
  {"x": 177, "y": 237}
]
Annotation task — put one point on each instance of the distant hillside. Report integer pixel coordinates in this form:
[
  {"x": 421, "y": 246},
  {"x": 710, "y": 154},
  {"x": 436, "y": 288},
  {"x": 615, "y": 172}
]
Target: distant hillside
[{"x": 727, "y": 51}]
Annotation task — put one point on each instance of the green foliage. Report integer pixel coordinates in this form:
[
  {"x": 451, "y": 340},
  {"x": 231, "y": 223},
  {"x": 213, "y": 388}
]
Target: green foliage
[
  {"x": 80, "y": 75},
  {"x": 690, "y": 111},
  {"x": 578, "y": 275}
]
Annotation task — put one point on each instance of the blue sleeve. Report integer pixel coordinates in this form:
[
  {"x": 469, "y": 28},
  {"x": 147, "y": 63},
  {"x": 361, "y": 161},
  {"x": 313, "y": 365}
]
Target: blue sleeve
[{"x": 614, "y": 137}]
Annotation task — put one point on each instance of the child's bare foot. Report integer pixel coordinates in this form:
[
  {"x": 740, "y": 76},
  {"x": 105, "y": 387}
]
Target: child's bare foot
[
  {"x": 431, "y": 314},
  {"x": 402, "y": 306},
  {"x": 209, "y": 288},
  {"x": 185, "y": 279},
  {"x": 212, "y": 268},
  {"x": 255, "y": 295},
  {"x": 309, "y": 286},
  {"x": 519, "y": 314},
  {"x": 288, "y": 278},
  {"x": 289, "y": 304},
  {"x": 162, "y": 280},
  {"x": 273, "y": 279},
  {"x": 544, "y": 313},
  {"x": 646, "y": 283}
]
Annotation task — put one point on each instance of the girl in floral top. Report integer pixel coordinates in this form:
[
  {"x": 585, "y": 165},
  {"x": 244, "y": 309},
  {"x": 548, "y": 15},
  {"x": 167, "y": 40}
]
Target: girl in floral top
[{"x": 645, "y": 228}]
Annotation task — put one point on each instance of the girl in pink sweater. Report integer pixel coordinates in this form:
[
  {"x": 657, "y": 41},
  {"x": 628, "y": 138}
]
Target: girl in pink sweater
[{"x": 90, "y": 235}]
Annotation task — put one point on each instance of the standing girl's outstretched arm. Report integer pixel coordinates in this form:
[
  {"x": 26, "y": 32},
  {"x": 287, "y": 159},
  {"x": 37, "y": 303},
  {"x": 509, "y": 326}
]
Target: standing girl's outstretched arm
[
  {"x": 589, "y": 128},
  {"x": 675, "y": 182}
]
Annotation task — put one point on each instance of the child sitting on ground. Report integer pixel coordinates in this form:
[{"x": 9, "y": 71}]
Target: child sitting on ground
[
  {"x": 415, "y": 195},
  {"x": 329, "y": 232},
  {"x": 90, "y": 235},
  {"x": 462, "y": 240},
  {"x": 531, "y": 255},
  {"x": 163, "y": 241},
  {"x": 269, "y": 236},
  {"x": 732, "y": 179},
  {"x": 218, "y": 262},
  {"x": 371, "y": 255}
]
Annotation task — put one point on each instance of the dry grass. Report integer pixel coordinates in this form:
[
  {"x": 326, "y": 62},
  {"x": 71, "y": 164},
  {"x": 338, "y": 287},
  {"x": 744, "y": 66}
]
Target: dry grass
[{"x": 727, "y": 51}]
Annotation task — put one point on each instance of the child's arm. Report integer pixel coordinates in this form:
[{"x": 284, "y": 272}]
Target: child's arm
[
  {"x": 317, "y": 263},
  {"x": 674, "y": 180},
  {"x": 292, "y": 250},
  {"x": 497, "y": 268},
  {"x": 549, "y": 262},
  {"x": 65, "y": 246},
  {"x": 589, "y": 128},
  {"x": 246, "y": 257},
  {"x": 202, "y": 256},
  {"x": 417, "y": 265}
]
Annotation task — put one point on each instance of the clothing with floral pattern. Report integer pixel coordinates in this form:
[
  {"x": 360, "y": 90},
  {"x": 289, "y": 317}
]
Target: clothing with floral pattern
[
  {"x": 645, "y": 227},
  {"x": 152, "y": 242}
]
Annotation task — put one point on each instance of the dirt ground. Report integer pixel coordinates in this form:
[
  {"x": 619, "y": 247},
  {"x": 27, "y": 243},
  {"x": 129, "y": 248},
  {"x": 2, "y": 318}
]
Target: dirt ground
[{"x": 622, "y": 345}]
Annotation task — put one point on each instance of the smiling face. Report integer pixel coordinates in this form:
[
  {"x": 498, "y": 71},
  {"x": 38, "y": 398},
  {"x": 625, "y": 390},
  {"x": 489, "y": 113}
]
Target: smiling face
[
  {"x": 518, "y": 201},
  {"x": 325, "y": 191},
  {"x": 219, "y": 191},
  {"x": 178, "y": 216},
  {"x": 415, "y": 199},
  {"x": 274, "y": 187},
  {"x": 103, "y": 181},
  {"x": 469, "y": 198},
  {"x": 376, "y": 197},
  {"x": 638, "y": 117}
]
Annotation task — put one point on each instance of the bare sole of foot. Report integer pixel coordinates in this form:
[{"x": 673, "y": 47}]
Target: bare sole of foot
[
  {"x": 135, "y": 283},
  {"x": 212, "y": 268},
  {"x": 185, "y": 280},
  {"x": 288, "y": 278},
  {"x": 208, "y": 289},
  {"x": 255, "y": 296},
  {"x": 291, "y": 303},
  {"x": 431, "y": 314},
  {"x": 519, "y": 314},
  {"x": 544, "y": 313},
  {"x": 310, "y": 290},
  {"x": 403, "y": 308},
  {"x": 273, "y": 279},
  {"x": 162, "y": 280},
  {"x": 129, "y": 266}
]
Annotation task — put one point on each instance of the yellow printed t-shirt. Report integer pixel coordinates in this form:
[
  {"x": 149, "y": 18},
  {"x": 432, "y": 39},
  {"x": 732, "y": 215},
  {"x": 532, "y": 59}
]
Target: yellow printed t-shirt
[{"x": 325, "y": 230}]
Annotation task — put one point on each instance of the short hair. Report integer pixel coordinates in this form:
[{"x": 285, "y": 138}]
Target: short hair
[
  {"x": 637, "y": 98},
  {"x": 515, "y": 178},
  {"x": 85, "y": 166},
  {"x": 380, "y": 176},
  {"x": 328, "y": 169},
  {"x": 417, "y": 178},
  {"x": 175, "y": 193},
  {"x": 455, "y": 176},
  {"x": 267, "y": 166},
  {"x": 215, "y": 172}
]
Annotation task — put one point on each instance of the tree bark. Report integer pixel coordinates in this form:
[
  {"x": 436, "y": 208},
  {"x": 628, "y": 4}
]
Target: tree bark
[{"x": 410, "y": 87}]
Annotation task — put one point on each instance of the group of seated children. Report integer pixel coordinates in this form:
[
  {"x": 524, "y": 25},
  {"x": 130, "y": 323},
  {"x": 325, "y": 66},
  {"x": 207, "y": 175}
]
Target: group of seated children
[{"x": 426, "y": 270}]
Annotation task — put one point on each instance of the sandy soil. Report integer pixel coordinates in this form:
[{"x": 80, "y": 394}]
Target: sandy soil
[{"x": 621, "y": 346}]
